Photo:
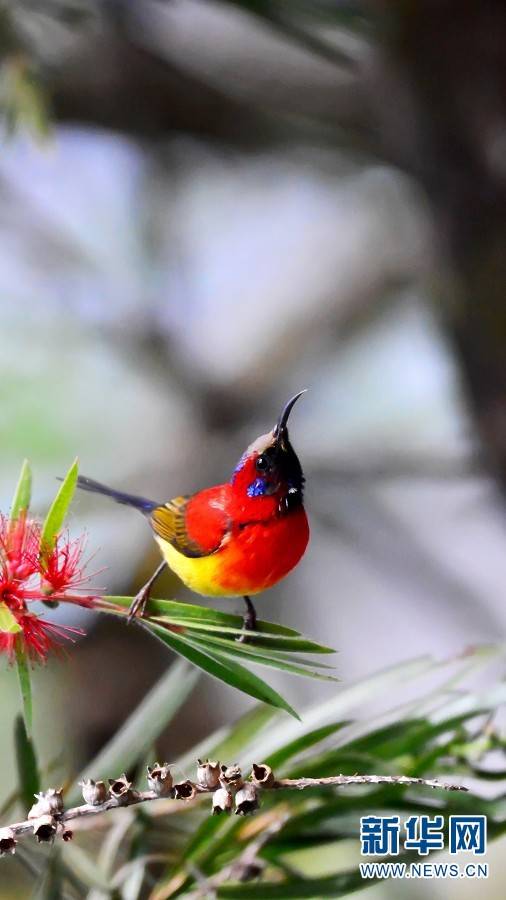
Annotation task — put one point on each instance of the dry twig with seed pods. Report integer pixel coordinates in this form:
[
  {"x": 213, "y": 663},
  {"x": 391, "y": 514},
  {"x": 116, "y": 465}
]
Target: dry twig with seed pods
[{"x": 48, "y": 819}]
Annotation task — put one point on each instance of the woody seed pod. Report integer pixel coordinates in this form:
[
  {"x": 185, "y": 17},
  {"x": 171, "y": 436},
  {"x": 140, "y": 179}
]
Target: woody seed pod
[
  {"x": 49, "y": 803},
  {"x": 7, "y": 841},
  {"x": 94, "y": 792},
  {"x": 222, "y": 801},
  {"x": 41, "y": 808},
  {"x": 246, "y": 800},
  {"x": 121, "y": 789},
  {"x": 262, "y": 775},
  {"x": 231, "y": 777},
  {"x": 160, "y": 779},
  {"x": 185, "y": 790},
  {"x": 208, "y": 774},
  {"x": 44, "y": 829}
]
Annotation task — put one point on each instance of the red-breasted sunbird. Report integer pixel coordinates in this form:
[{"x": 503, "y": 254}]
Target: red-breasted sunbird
[{"x": 237, "y": 538}]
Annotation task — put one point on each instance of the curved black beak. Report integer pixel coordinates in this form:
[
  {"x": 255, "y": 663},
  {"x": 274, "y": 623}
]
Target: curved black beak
[{"x": 280, "y": 430}]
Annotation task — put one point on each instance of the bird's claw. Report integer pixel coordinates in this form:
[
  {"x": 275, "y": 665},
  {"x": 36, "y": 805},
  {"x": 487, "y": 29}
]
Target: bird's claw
[
  {"x": 244, "y": 638},
  {"x": 138, "y": 606}
]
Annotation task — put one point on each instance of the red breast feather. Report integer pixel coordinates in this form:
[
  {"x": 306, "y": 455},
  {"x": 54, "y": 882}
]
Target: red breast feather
[
  {"x": 259, "y": 555},
  {"x": 260, "y": 544}
]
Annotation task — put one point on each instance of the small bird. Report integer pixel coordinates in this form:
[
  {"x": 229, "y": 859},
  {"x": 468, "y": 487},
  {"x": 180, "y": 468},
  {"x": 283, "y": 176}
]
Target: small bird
[{"x": 237, "y": 538}]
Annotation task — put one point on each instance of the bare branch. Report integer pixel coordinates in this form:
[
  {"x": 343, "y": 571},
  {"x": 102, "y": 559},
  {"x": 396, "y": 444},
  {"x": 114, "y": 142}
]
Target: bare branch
[
  {"x": 49, "y": 819},
  {"x": 345, "y": 780}
]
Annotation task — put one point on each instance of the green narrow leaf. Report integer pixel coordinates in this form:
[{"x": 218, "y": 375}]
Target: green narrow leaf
[
  {"x": 223, "y": 669},
  {"x": 342, "y": 761},
  {"x": 251, "y": 653},
  {"x": 331, "y": 886},
  {"x": 8, "y": 622},
  {"x": 267, "y": 641},
  {"x": 205, "y": 619},
  {"x": 293, "y": 748},
  {"x": 28, "y": 773},
  {"x": 188, "y": 611},
  {"x": 201, "y": 841},
  {"x": 25, "y": 686},
  {"x": 142, "y": 728},
  {"x": 228, "y": 742},
  {"x": 204, "y": 846},
  {"x": 85, "y": 868},
  {"x": 407, "y": 736},
  {"x": 345, "y": 699},
  {"x": 23, "y": 492},
  {"x": 58, "y": 510},
  {"x": 50, "y": 887}
]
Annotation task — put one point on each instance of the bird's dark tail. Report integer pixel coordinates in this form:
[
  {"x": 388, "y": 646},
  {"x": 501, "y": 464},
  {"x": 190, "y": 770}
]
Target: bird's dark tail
[{"x": 94, "y": 487}]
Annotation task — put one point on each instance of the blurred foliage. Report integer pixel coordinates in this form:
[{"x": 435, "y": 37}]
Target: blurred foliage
[
  {"x": 23, "y": 101},
  {"x": 166, "y": 850},
  {"x": 28, "y": 774}
]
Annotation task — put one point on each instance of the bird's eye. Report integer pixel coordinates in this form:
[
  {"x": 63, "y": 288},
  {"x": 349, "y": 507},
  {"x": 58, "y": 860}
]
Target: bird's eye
[{"x": 262, "y": 464}]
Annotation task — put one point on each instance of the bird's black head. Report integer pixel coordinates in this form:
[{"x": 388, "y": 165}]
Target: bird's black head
[{"x": 270, "y": 466}]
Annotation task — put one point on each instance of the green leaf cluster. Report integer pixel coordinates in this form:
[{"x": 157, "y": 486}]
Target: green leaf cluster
[{"x": 208, "y": 638}]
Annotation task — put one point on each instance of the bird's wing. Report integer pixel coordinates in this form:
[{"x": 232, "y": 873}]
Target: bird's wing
[{"x": 195, "y": 526}]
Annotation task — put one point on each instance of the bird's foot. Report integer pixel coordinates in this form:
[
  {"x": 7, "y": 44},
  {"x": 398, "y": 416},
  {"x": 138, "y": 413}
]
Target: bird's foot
[
  {"x": 138, "y": 604},
  {"x": 249, "y": 622}
]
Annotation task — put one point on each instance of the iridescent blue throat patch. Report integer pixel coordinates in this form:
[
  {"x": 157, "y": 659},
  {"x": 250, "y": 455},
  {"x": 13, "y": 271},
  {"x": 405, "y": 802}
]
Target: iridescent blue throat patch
[{"x": 257, "y": 488}]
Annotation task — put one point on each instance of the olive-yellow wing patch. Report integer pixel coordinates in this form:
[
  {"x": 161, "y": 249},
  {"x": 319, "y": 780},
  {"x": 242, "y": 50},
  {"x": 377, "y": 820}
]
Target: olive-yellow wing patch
[{"x": 192, "y": 525}]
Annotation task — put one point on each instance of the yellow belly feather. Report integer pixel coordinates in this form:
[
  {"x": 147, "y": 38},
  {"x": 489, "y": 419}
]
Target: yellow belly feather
[{"x": 200, "y": 574}]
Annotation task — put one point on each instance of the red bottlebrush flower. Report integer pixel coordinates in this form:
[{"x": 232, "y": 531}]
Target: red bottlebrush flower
[
  {"x": 39, "y": 637},
  {"x": 36, "y": 637},
  {"x": 19, "y": 546},
  {"x": 27, "y": 575},
  {"x": 63, "y": 568}
]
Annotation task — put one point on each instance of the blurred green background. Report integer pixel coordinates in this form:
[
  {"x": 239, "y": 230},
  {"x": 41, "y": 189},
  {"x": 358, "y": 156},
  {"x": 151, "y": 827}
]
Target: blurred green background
[{"x": 206, "y": 206}]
